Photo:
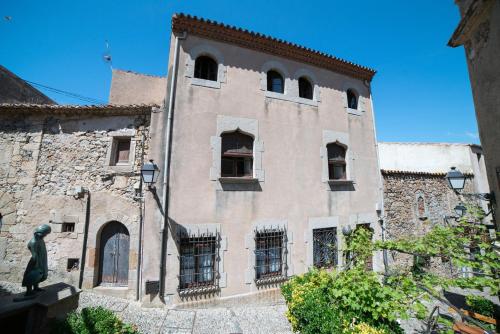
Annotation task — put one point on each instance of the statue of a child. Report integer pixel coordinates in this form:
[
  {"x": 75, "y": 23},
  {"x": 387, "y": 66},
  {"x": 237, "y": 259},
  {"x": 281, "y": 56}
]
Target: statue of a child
[{"x": 37, "y": 268}]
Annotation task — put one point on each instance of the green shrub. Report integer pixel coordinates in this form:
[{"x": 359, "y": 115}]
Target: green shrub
[
  {"x": 480, "y": 305},
  {"x": 92, "y": 320},
  {"x": 332, "y": 302}
]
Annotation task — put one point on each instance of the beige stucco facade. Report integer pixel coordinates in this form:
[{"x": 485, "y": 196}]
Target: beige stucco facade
[
  {"x": 479, "y": 33},
  {"x": 289, "y": 190}
]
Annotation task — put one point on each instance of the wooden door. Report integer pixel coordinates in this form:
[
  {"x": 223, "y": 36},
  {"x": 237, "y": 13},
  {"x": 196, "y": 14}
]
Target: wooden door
[{"x": 115, "y": 245}]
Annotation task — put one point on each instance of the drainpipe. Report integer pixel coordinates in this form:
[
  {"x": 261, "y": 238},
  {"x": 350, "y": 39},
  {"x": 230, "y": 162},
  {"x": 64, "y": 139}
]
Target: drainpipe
[
  {"x": 85, "y": 237},
  {"x": 138, "y": 290},
  {"x": 381, "y": 184},
  {"x": 166, "y": 169}
]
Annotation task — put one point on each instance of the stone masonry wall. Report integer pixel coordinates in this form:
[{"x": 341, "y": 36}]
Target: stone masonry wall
[
  {"x": 404, "y": 218},
  {"x": 42, "y": 159}
]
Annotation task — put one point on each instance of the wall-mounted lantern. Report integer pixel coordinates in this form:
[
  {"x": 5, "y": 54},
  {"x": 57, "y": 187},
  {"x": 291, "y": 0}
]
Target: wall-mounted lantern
[
  {"x": 456, "y": 180},
  {"x": 149, "y": 173}
]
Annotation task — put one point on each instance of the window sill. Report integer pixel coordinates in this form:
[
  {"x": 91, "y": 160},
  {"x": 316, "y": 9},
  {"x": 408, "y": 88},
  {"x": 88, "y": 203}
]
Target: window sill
[
  {"x": 270, "y": 280},
  {"x": 294, "y": 99},
  {"x": 354, "y": 112},
  {"x": 128, "y": 168},
  {"x": 340, "y": 182},
  {"x": 199, "y": 290},
  {"x": 238, "y": 180},
  {"x": 205, "y": 83}
]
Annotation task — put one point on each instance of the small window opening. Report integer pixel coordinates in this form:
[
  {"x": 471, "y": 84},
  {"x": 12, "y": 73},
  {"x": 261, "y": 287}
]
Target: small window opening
[
  {"x": 205, "y": 68},
  {"x": 336, "y": 162},
  {"x": 269, "y": 253},
  {"x": 237, "y": 155},
  {"x": 421, "y": 206},
  {"x": 305, "y": 89},
  {"x": 72, "y": 264},
  {"x": 198, "y": 261},
  {"x": 352, "y": 100},
  {"x": 325, "y": 247},
  {"x": 275, "y": 82},
  {"x": 122, "y": 151},
  {"x": 68, "y": 227}
]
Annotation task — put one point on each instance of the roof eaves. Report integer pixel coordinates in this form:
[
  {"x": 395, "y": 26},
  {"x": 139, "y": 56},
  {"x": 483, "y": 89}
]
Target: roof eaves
[{"x": 268, "y": 44}]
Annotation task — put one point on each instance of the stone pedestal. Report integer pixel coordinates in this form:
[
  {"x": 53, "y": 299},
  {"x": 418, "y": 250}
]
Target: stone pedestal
[{"x": 33, "y": 315}]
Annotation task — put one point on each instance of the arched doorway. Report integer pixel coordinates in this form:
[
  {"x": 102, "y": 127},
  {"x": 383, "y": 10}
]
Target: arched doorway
[{"x": 114, "y": 253}]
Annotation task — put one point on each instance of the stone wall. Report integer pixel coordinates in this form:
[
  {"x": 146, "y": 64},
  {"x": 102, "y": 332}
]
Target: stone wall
[
  {"x": 414, "y": 203},
  {"x": 43, "y": 159}
]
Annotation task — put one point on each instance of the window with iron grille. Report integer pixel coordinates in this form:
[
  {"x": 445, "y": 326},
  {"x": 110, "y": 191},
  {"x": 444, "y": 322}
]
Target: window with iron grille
[
  {"x": 199, "y": 258},
  {"x": 205, "y": 68},
  {"x": 270, "y": 254},
  {"x": 237, "y": 155},
  {"x": 336, "y": 161},
  {"x": 325, "y": 247}
]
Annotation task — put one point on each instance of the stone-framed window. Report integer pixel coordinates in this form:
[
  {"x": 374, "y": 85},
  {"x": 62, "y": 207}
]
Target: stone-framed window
[
  {"x": 205, "y": 68},
  {"x": 336, "y": 158},
  {"x": 302, "y": 78},
  {"x": 246, "y": 126},
  {"x": 237, "y": 154},
  {"x": 305, "y": 88},
  {"x": 207, "y": 75},
  {"x": 196, "y": 258},
  {"x": 121, "y": 151},
  {"x": 268, "y": 245},
  {"x": 325, "y": 248},
  {"x": 198, "y": 262},
  {"x": 368, "y": 221},
  {"x": 275, "y": 82},
  {"x": 270, "y": 254},
  {"x": 353, "y": 99},
  {"x": 323, "y": 240},
  {"x": 336, "y": 161}
]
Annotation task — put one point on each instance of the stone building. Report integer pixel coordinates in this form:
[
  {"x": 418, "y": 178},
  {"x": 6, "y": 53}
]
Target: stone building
[
  {"x": 271, "y": 151},
  {"x": 416, "y": 193},
  {"x": 479, "y": 33},
  {"x": 13, "y": 89},
  {"x": 77, "y": 168}
]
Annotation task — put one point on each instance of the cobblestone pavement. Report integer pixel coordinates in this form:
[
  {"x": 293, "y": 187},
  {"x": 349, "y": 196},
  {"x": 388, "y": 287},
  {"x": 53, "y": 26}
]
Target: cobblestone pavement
[{"x": 269, "y": 319}]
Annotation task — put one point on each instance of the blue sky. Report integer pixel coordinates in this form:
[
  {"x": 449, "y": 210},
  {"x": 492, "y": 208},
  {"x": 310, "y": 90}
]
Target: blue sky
[{"x": 421, "y": 91}]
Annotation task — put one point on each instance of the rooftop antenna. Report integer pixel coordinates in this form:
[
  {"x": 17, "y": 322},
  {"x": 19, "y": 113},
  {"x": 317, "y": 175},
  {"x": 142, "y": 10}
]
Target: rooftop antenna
[{"x": 106, "y": 57}]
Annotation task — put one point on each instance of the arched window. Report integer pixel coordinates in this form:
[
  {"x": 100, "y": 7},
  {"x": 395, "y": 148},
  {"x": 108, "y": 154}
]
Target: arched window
[
  {"x": 420, "y": 206},
  {"x": 305, "y": 89},
  {"x": 237, "y": 155},
  {"x": 205, "y": 68},
  {"x": 336, "y": 162},
  {"x": 352, "y": 99},
  {"x": 275, "y": 82}
]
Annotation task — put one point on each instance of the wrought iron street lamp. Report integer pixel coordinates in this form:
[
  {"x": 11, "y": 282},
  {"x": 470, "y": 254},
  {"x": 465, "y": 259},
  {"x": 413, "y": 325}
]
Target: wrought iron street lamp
[
  {"x": 149, "y": 173},
  {"x": 460, "y": 210},
  {"x": 456, "y": 180}
]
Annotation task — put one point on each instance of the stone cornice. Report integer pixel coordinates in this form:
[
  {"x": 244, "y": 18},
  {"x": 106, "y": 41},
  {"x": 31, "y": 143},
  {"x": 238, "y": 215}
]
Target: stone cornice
[
  {"x": 76, "y": 110},
  {"x": 259, "y": 42}
]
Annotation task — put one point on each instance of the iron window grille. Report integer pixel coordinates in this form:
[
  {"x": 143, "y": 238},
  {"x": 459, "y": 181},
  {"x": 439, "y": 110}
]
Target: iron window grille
[
  {"x": 270, "y": 255},
  {"x": 325, "y": 247},
  {"x": 199, "y": 262}
]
